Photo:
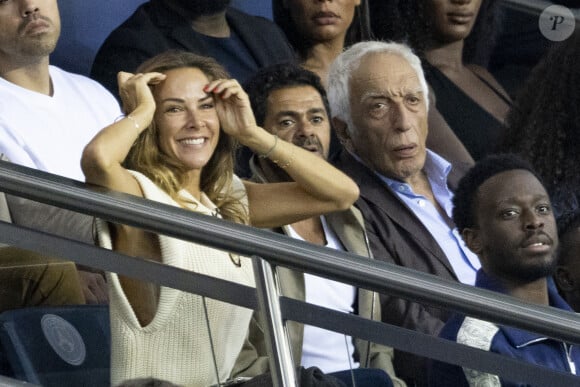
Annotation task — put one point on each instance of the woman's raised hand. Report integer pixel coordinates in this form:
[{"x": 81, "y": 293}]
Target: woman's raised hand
[
  {"x": 135, "y": 91},
  {"x": 233, "y": 108}
]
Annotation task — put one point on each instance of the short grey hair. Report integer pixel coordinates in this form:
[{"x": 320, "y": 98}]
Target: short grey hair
[{"x": 346, "y": 63}]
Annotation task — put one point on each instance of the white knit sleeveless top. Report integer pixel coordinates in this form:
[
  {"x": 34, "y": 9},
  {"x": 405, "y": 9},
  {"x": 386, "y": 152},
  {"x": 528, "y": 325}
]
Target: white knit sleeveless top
[{"x": 175, "y": 346}]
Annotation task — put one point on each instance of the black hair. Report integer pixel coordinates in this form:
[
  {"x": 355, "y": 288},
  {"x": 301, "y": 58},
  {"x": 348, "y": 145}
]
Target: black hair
[
  {"x": 358, "y": 31},
  {"x": 464, "y": 205},
  {"x": 544, "y": 124},
  {"x": 409, "y": 21},
  {"x": 269, "y": 79},
  {"x": 568, "y": 221},
  {"x": 401, "y": 21}
]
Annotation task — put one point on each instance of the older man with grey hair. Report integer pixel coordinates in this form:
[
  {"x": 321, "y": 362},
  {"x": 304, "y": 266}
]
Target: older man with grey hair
[{"x": 379, "y": 99}]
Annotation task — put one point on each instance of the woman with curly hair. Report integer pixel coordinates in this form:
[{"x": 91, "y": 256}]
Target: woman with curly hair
[
  {"x": 544, "y": 124},
  {"x": 454, "y": 38},
  {"x": 567, "y": 273},
  {"x": 176, "y": 146}
]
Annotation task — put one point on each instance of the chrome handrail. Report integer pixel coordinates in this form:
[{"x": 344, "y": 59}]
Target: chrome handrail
[
  {"x": 281, "y": 250},
  {"x": 277, "y": 249}
]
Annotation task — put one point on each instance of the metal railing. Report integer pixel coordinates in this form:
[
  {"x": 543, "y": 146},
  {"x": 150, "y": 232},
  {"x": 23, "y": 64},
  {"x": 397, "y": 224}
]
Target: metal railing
[
  {"x": 281, "y": 250},
  {"x": 534, "y": 7}
]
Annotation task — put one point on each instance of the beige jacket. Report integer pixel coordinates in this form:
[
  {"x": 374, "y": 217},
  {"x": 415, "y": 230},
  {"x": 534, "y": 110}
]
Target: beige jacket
[{"x": 349, "y": 227}]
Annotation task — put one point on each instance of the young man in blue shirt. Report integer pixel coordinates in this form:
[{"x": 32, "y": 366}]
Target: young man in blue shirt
[{"x": 504, "y": 215}]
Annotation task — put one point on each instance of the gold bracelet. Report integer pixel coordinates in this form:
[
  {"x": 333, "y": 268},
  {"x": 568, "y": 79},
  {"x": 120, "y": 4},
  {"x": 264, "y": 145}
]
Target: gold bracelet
[
  {"x": 269, "y": 152},
  {"x": 133, "y": 120},
  {"x": 288, "y": 162},
  {"x": 130, "y": 117}
]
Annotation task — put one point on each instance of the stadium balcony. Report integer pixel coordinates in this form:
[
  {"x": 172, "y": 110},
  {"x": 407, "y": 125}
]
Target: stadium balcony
[
  {"x": 26, "y": 360},
  {"x": 268, "y": 251}
]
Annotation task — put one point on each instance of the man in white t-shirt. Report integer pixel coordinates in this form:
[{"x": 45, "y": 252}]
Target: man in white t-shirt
[
  {"x": 290, "y": 102},
  {"x": 47, "y": 116}
]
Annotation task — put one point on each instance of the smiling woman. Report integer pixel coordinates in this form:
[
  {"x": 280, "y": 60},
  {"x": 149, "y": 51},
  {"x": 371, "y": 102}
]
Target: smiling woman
[
  {"x": 176, "y": 146},
  {"x": 192, "y": 149}
]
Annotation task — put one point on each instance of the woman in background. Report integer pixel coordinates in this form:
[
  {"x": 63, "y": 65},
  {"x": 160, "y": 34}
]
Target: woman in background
[
  {"x": 544, "y": 124},
  {"x": 320, "y": 30},
  {"x": 454, "y": 39}
]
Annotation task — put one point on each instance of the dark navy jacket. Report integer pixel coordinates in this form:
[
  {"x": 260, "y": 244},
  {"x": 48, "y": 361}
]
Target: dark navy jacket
[
  {"x": 155, "y": 28},
  {"x": 512, "y": 342}
]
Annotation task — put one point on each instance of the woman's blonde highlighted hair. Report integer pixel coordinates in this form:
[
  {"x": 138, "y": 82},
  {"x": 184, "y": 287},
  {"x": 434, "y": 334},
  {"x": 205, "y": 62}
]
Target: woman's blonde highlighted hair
[{"x": 217, "y": 175}]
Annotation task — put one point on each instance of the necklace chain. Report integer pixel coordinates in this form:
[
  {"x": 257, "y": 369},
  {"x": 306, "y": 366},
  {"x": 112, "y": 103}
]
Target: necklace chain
[{"x": 235, "y": 258}]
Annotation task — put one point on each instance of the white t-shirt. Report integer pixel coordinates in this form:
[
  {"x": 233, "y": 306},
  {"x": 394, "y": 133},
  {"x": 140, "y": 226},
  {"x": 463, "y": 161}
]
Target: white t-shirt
[
  {"x": 327, "y": 350},
  {"x": 50, "y": 132}
]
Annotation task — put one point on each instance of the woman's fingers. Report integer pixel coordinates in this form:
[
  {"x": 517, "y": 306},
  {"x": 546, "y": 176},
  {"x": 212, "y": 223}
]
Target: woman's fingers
[
  {"x": 134, "y": 88},
  {"x": 152, "y": 78},
  {"x": 225, "y": 88}
]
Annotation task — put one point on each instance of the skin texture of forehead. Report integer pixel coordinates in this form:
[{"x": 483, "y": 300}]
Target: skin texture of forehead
[
  {"x": 499, "y": 186},
  {"x": 307, "y": 94},
  {"x": 194, "y": 76},
  {"x": 374, "y": 66}
]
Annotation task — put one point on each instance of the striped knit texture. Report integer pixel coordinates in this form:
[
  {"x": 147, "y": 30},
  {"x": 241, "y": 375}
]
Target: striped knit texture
[{"x": 175, "y": 346}]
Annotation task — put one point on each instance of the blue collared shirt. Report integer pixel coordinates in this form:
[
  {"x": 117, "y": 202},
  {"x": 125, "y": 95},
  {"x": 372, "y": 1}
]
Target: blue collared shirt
[{"x": 464, "y": 262}]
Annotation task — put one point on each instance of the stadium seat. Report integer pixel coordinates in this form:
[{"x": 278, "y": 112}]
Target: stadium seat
[
  {"x": 85, "y": 25},
  {"x": 58, "y": 346},
  {"x": 255, "y": 7}
]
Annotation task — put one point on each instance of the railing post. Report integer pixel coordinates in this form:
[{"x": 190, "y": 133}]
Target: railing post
[{"x": 280, "y": 360}]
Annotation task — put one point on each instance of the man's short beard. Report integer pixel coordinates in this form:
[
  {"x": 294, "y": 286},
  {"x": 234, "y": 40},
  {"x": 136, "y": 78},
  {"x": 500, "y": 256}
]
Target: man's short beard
[
  {"x": 528, "y": 272},
  {"x": 40, "y": 45},
  {"x": 203, "y": 7},
  {"x": 37, "y": 49}
]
